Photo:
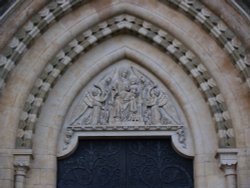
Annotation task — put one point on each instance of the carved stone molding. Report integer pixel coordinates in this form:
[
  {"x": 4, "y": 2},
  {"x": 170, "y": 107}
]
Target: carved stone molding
[
  {"x": 243, "y": 7},
  {"x": 176, "y": 130},
  {"x": 133, "y": 26},
  {"x": 124, "y": 100},
  {"x": 22, "y": 159},
  {"x": 228, "y": 160},
  {"x": 227, "y": 157}
]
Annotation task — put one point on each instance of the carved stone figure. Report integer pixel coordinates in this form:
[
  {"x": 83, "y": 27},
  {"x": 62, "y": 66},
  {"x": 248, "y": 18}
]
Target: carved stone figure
[
  {"x": 68, "y": 135},
  {"x": 125, "y": 95},
  {"x": 93, "y": 107},
  {"x": 125, "y": 105},
  {"x": 152, "y": 102},
  {"x": 181, "y": 136}
]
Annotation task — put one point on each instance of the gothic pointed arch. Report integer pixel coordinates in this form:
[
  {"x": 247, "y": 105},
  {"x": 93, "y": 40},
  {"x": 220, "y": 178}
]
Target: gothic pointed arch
[
  {"x": 131, "y": 24},
  {"x": 57, "y": 9},
  {"x": 55, "y": 56},
  {"x": 50, "y": 132}
]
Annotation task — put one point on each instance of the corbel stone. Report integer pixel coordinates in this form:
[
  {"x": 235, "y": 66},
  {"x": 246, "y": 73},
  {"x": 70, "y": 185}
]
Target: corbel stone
[
  {"x": 228, "y": 159},
  {"x": 22, "y": 160}
]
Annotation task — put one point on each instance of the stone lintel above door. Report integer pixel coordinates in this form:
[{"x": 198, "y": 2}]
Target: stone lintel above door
[{"x": 125, "y": 101}]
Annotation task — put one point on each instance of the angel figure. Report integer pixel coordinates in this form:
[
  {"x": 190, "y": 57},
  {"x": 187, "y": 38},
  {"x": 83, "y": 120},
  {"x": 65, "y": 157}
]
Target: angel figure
[
  {"x": 158, "y": 103},
  {"x": 92, "y": 109}
]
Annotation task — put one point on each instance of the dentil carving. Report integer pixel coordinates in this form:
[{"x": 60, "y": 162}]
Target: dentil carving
[{"x": 125, "y": 95}]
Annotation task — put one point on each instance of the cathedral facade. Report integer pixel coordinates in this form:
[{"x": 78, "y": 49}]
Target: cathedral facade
[{"x": 124, "y": 93}]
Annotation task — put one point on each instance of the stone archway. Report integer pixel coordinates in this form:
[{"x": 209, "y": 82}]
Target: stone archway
[
  {"x": 124, "y": 101},
  {"x": 53, "y": 113},
  {"x": 46, "y": 53}
]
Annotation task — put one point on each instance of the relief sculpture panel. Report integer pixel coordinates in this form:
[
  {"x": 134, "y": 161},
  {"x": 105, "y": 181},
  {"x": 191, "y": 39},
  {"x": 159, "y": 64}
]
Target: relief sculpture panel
[
  {"x": 125, "y": 94},
  {"x": 124, "y": 100}
]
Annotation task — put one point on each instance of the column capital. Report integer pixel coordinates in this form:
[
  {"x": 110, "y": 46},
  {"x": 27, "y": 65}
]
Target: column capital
[
  {"x": 22, "y": 158},
  {"x": 228, "y": 159},
  {"x": 227, "y": 156}
]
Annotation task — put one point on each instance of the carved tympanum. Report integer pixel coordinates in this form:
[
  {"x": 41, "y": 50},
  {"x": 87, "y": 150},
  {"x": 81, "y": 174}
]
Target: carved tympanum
[
  {"x": 124, "y": 100},
  {"x": 123, "y": 95}
]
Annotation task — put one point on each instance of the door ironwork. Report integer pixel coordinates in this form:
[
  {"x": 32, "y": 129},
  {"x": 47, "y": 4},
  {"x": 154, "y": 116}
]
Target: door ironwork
[{"x": 125, "y": 164}]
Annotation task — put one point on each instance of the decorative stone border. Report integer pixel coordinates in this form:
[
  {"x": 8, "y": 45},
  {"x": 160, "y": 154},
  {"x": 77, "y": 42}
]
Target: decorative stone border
[
  {"x": 24, "y": 38},
  {"x": 213, "y": 25},
  {"x": 240, "y": 7},
  {"x": 56, "y": 9},
  {"x": 134, "y": 26},
  {"x": 40, "y": 22},
  {"x": 37, "y": 25},
  {"x": 176, "y": 132}
]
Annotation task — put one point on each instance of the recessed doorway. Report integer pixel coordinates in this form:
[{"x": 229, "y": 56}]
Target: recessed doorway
[{"x": 128, "y": 163}]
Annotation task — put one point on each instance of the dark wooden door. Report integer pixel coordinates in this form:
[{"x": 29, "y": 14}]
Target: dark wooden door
[{"x": 125, "y": 164}]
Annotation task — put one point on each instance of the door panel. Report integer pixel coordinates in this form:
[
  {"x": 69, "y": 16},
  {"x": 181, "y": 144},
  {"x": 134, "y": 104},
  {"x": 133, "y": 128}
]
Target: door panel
[{"x": 125, "y": 164}]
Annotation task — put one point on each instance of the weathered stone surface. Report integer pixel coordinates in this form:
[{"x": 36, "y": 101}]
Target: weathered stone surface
[
  {"x": 45, "y": 63},
  {"x": 124, "y": 94}
]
